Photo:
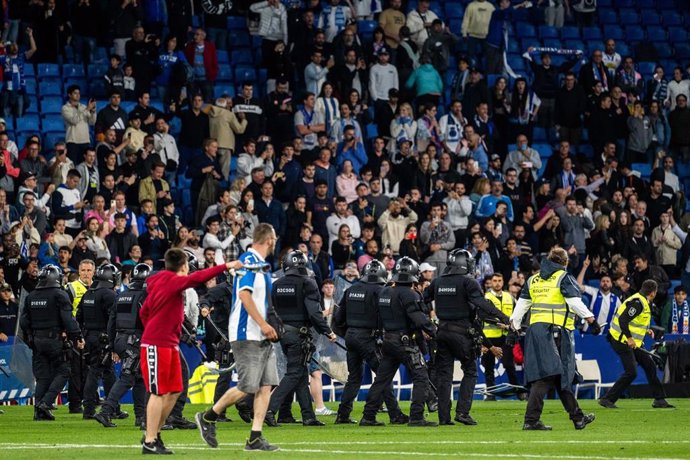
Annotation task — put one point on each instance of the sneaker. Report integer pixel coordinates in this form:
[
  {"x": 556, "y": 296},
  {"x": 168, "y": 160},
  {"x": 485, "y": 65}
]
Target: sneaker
[
  {"x": 223, "y": 419},
  {"x": 313, "y": 422},
  {"x": 154, "y": 448},
  {"x": 206, "y": 429},
  {"x": 465, "y": 419},
  {"x": 324, "y": 411},
  {"x": 345, "y": 421},
  {"x": 245, "y": 414},
  {"x": 270, "y": 419},
  {"x": 260, "y": 444},
  {"x": 43, "y": 412},
  {"x": 422, "y": 423},
  {"x": 121, "y": 415},
  {"x": 586, "y": 420},
  {"x": 401, "y": 419},
  {"x": 180, "y": 423},
  {"x": 607, "y": 403},
  {"x": 662, "y": 404},
  {"x": 536, "y": 426},
  {"x": 104, "y": 420},
  {"x": 447, "y": 423},
  {"x": 370, "y": 422}
]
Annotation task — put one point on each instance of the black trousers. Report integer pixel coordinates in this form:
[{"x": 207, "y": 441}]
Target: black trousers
[
  {"x": 50, "y": 369},
  {"x": 393, "y": 355},
  {"x": 361, "y": 348},
  {"x": 537, "y": 393},
  {"x": 489, "y": 362},
  {"x": 296, "y": 378},
  {"x": 454, "y": 345},
  {"x": 630, "y": 360},
  {"x": 182, "y": 399},
  {"x": 78, "y": 369},
  {"x": 127, "y": 381},
  {"x": 97, "y": 371}
]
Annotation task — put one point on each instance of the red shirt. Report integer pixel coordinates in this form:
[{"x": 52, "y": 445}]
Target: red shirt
[{"x": 163, "y": 310}]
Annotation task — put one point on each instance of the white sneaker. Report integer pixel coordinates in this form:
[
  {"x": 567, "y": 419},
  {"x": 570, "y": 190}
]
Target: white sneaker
[{"x": 324, "y": 411}]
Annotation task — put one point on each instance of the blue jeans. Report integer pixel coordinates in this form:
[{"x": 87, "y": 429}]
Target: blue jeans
[
  {"x": 12, "y": 31},
  {"x": 83, "y": 48},
  {"x": 12, "y": 104}
]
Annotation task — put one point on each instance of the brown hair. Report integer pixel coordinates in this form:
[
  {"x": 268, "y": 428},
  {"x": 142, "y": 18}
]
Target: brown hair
[
  {"x": 263, "y": 232},
  {"x": 175, "y": 259},
  {"x": 558, "y": 255}
]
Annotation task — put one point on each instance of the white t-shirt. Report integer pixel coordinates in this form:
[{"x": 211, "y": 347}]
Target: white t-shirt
[{"x": 242, "y": 326}]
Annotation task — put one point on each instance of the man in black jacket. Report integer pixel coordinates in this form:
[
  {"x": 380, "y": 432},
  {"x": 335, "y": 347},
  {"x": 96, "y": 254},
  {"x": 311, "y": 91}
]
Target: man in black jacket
[{"x": 571, "y": 103}]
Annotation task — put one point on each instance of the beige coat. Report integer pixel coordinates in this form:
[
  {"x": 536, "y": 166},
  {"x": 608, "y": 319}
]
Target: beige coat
[
  {"x": 224, "y": 125},
  {"x": 393, "y": 228},
  {"x": 666, "y": 252}
]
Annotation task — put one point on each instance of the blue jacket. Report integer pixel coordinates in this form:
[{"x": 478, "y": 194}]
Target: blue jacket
[
  {"x": 499, "y": 22},
  {"x": 271, "y": 214},
  {"x": 426, "y": 80},
  {"x": 357, "y": 156},
  {"x": 165, "y": 64},
  {"x": 487, "y": 206}
]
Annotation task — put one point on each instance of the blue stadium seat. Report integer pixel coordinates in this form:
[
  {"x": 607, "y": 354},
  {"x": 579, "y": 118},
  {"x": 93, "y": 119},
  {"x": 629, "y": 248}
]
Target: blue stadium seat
[
  {"x": 682, "y": 50},
  {"x": 372, "y": 131},
  {"x": 366, "y": 29},
  {"x": 239, "y": 39},
  {"x": 646, "y": 68},
  {"x": 539, "y": 135},
  {"x": 605, "y": 4},
  {"x": 31, "y": 86},
  {"x": 633, "y": 34},
  {"x": 101, "y": 56},
  {"x": 677, "y": 34},
  {"x": 576, "y": 45},
  {"x": 645, "y": 169},
  {"x": 29, "y": 121},
  {"x": 608, "y": 17},
  {"x": 222, "y": 56},
  {"x": 547, "y": 32},
  {"x": 650, "y": 17},
  {"x": 662, "y": 5},
  {"x": 570, "y": 33},
  {"x": 243, "y": 56},
  {"x": 46, "y": 70},
  {"x": 245, "y": 73},
  {"x": 224, "y": 73},
  {"x": 625, "y": 3},
  {"x": 528, "y": 43},
  {"x": 592, "y": 33},
  {"x": 525, "y": 30},
  {"x": 29, "y": 71},
  {"x": 97, "y": 88},
  {"x": 49, "y": 140},
  {"x": 73, "y": 70},
  {"x": 80, "y": 82},
  {"x": 237, "y": 22},
  {"x": 645, "y": 4},
  {"x": 656, "y": 34},
  {"x": 51, "y": 104},
  {"x": 671, "y": 18},
  {"x": 454, "y": 10},
  {"x": 50, "y": 88},
  {"x": 33, "y": 105},
  {"x": 53, "y": 123},
  {"x": 622, "y": 48},
  {"x": 96, "y": 71},
  {"x": 613, "y": 31},
  {"x": 514, "y": 46},
  {"x": 517, "y": 63},
  {"x": 628, "y": 17},
  {"x": 219, "y": 90},
  {"x": 186, "y": 197},
  {"x": 553, "y": 43},
  {"x": 128, "y": 106}
]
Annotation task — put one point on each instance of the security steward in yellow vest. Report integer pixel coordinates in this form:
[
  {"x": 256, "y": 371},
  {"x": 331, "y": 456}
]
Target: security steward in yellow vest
[
  {"x": 496, "y": 337},
  {"x": 553, "y": 298},
  {"x": 78, "y": 367},
  {"x": 628, "y": 329}
]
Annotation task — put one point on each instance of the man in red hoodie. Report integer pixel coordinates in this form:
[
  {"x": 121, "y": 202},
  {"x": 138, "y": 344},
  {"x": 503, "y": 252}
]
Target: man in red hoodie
[{"x": 162, "y": 315}]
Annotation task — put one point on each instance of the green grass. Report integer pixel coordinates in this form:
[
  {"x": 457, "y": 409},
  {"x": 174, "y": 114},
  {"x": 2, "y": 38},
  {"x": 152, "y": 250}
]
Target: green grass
[{"x": 635, "y": 430}]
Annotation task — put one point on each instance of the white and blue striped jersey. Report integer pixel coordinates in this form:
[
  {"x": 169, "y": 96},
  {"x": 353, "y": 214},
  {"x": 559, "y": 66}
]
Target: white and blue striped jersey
[{"x": 242, "y": 326}]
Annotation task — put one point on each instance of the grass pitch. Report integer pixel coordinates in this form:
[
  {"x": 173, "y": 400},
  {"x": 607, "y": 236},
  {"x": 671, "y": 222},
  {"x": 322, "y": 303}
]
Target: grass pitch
[{"x": 634, "y": 431}]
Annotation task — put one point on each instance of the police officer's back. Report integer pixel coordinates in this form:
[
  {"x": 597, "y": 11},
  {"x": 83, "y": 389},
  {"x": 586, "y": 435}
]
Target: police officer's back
[
  {"x": 358, "y": 314},
  {"x": 402, "y": 315},
  {"x": 297, "y": 301},
  {"x": 124, "y": 333},
  {"x": 93, "y": 314},
  {"x": 46, "y": 316},
  {"x": 457, "y": 298}
]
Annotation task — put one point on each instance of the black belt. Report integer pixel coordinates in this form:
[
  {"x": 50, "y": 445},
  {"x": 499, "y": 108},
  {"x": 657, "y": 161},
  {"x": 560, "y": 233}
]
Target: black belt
[
  {"x": 303, "y": 329},
  {"x": 47, "y": 333},
  {"x": 368, "y": 330},
  {"x": 129, "y": 332}
]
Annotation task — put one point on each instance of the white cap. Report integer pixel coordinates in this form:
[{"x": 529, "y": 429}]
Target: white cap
[{"x": 425, "y": 267}]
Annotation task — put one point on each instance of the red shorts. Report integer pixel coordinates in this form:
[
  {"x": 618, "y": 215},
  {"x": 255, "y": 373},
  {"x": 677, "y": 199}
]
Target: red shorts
[{"x": 161, "y": 369}]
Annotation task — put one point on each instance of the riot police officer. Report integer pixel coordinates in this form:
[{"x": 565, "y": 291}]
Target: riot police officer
[
  {"x": 359, "y": 315},
  {"x": 124, "y": 334},
  {"x": 457, "y": 298},
  {"x": 297, "y": 301},
  {"x": 93, "y": 313},
  {"x": 46, "y": 320},
  {"x": 402, "y": 316}
]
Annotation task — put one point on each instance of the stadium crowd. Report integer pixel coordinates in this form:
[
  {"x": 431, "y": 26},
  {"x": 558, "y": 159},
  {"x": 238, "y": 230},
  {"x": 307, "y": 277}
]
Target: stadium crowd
[{"x": 412, "y": 139}]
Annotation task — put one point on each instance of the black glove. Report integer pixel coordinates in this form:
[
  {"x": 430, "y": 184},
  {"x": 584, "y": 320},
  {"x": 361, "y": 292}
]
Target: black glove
[
  {"x": 511, "y": 339},
  {"x": 188, "y": 339},
  {"x": 595, "y": 328}
]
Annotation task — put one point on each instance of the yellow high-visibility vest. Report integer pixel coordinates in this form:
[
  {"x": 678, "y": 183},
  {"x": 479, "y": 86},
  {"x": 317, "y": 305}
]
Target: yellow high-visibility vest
[
  {"x": 505, "y": 304},
  {"x": 638, "y": 325},
  {"x": 548, "y": 303},
  {"x": 77, "y": 289}
]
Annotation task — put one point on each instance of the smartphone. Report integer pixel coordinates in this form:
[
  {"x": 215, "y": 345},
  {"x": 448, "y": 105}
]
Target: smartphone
[
  {"x": 528, "y": 164},
  {"x": 112, "y": 203},
  {"x": 251, "y": 203}
]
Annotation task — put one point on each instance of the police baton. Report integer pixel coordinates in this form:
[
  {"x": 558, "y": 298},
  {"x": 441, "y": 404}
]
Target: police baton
[
  {"x": 497, "y": 322},
  {"x": 215, "y": 326},
  {"x": 195, "y": 345},
  {"x": 338, "y": 344},
  {"x": 656, "y": 358}
]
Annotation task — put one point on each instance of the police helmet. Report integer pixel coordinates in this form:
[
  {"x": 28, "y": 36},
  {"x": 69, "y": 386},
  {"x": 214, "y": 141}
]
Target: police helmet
[
  {"x": 460, "y": 262},
  {"x": 140, "y": 272},
  {"x": 50, "y": 276},
  {"x": 107, "y": 275},
  {"x": 375, "y": 272},
  {"x": 192, "y": 261},
  {"x": 406, "y": 271},
  {"x": 295, "y": 263}
]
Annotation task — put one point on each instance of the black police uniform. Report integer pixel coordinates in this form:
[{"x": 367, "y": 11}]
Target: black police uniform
[
  {"x": 46, "y": 315},
  {"x": 402, "y": 314},
  {"x": 297, "y": 301},
  {"x": 124, "y": 333},
  {"x": 457, "y": 298},
  {"x": 359, "y": 313},
  {"x": 93, "y": 313}
]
